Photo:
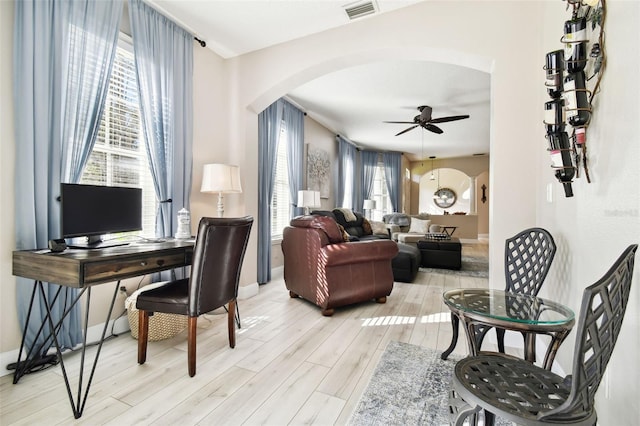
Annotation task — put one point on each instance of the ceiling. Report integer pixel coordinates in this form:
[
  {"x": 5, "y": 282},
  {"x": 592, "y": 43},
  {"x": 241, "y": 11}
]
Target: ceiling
[{"x": 352, "y": 102}]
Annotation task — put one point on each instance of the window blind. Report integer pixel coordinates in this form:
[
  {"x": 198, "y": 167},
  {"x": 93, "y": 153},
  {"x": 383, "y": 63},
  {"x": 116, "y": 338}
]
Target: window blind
[{"x": 119, "y": 155}]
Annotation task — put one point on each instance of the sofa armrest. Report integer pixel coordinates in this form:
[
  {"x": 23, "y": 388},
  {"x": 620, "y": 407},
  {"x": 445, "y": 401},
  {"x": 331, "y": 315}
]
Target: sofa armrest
[{"x": 359, "y": 252}]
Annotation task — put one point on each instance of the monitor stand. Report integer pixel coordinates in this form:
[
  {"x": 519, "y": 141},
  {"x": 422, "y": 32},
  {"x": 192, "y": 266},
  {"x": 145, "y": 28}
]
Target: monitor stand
[{"x": 96, "y": 242}]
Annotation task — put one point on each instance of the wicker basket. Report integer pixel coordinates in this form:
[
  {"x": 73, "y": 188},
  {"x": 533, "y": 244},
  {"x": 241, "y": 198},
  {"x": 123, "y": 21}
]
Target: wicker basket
[{"x": 161, "y": 325}]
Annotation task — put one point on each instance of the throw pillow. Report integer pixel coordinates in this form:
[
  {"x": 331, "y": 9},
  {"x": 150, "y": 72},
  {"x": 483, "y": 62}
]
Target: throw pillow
[
  {"x": 379, "y": 228},
  {"x": 345, "y": 234},
  {"x": 366, "y": 227},
  {"x": 419, "y": 226}
]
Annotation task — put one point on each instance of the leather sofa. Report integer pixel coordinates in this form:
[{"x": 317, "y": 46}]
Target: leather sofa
[
  {"x": 321, "y": 267},
  {"x": 356, "y": 228}
]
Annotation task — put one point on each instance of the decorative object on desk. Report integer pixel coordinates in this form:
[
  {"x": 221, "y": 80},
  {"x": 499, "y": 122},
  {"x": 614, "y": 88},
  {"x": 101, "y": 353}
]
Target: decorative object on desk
[
  {"x": 318, "y": 170},
  {"x": 57, "y": 246},
  {"x": 368, "y": 206},
  {"x": 308, "y": 199},
  {"x": 409, "y": 386},
  {"x": 184, "y": 224},
  {"x": 221, "y": 179},
  {"x": 572, "y": 81}
]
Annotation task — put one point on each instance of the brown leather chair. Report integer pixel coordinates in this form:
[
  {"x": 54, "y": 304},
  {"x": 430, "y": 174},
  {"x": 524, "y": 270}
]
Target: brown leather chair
[
  {"x": 215, "y": 272},
  {"x": 321, "y": 267}
]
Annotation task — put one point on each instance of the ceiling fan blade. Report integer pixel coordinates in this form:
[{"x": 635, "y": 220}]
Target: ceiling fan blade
[
  {"x": 425, "y": 112},
  {"x": 406, "y": 130},
  {"x": 432, "y": 128},
  {"x": 400, "y": 122},
  {"x": 446, "y": 119}
]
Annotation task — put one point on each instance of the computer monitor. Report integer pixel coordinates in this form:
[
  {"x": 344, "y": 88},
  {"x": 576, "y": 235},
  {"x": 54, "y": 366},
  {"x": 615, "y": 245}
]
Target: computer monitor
[{"x": 91, "y": 211}]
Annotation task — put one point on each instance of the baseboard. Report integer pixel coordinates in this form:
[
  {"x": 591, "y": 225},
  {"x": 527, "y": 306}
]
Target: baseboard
[{"x": 247, "y": 291}]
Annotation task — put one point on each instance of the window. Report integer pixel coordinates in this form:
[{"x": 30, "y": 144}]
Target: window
[
  {"x": 281, "y": 200},
  {"x": 380, "y": 194},
  {"x": 119, "y": 156}
]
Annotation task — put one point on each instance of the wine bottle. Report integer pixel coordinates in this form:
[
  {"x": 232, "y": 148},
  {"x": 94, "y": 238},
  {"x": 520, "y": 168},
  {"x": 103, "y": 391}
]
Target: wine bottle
[
  {"x": 555, "y": 67},
  {"x": 561, "y": 160},
  {"x": 575, "y": 39},
  {"x": 577, "y": 109},
  {"x": 554, "y": 116}
]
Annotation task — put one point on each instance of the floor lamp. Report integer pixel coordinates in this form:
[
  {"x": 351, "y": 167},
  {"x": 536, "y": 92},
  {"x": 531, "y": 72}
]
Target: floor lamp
[{"x": 221, "y": 179}]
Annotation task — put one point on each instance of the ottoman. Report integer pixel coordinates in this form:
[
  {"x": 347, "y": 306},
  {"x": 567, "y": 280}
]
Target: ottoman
[
  {"x": 445, "y": 254},
  {"x": 406, "y": 263}
]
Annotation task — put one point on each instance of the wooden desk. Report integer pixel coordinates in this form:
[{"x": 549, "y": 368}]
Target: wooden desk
[{"x": 82, "y": 269}]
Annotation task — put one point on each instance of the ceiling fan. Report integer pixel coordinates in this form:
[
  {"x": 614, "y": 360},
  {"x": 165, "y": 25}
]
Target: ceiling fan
[{"x": 424, "y": 120}]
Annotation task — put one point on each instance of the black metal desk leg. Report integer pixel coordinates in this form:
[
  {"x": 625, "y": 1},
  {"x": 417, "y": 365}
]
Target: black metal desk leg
[
  {"x": 78, "y": 405},
  {"x": 454, "y": 338}
]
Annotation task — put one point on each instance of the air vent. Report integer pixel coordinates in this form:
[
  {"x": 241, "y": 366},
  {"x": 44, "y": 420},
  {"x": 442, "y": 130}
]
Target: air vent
[{"x": 360, "y": 9}]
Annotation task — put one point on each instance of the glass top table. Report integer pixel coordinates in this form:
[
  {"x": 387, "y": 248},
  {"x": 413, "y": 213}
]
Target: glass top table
[{"x": 480, "y": 309}]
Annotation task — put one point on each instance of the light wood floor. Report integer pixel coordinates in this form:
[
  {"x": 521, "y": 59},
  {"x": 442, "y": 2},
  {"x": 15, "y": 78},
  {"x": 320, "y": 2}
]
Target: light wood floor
[{"x": 290, "y": 365}]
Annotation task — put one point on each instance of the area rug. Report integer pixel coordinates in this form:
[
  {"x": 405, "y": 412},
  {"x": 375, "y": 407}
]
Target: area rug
[
  {"x": 471, "y": 267},
  {"x": 410, "y": 386}
]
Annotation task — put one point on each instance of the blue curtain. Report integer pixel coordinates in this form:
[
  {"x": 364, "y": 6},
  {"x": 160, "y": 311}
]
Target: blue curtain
[
  {"x": 294, "y": 121},
  {"x": 346, "y": 185},
  {"x": 369, "y": 165},
  {"x": 164, "y": 68},
  {"x": 63, "y": 53},
  {"x": 392, "y": 164},
  {"x": 269, "y": 126}
]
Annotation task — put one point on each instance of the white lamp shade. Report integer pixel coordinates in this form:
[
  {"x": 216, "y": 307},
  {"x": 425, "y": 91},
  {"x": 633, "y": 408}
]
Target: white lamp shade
[
  {"x": 221, "y": 178},
  {"x": 369, "y": 205},
  {"x": 308, "y": 198}
]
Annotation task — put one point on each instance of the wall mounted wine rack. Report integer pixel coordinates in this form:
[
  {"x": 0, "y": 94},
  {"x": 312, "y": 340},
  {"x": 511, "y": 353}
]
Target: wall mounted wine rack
[{"x": 573, "y": 76}]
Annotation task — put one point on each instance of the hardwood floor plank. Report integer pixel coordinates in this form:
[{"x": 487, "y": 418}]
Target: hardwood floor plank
[
  {"x": 320, "y": 409},
  {"x": 285, "y": 402}
]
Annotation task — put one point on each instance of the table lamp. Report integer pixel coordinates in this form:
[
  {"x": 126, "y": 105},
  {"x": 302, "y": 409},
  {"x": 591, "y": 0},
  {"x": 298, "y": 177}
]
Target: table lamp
[
  {"x": 368, "y": 206},
  {"x": 223, "y": 179},
  {"x": 307, "y": 199}
]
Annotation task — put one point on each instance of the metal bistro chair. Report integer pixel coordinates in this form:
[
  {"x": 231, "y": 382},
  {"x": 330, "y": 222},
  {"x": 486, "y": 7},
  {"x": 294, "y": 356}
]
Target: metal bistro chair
[
  {"x": 215, "y": 273},
  {"x": 527, "y": 259},
  {"x": 519, "y": 391}
]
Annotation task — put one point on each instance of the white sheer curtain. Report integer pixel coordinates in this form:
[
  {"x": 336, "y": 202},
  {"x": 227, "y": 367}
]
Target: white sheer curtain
[
  {"x": 269, "y": 126},
  {"x": 294, "y": 120},
  {"x": 346, "y": 185},
  {"x": 164, "y": 64}
]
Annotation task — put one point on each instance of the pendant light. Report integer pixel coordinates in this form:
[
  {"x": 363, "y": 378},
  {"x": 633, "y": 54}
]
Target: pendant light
[{"x": 433, "y": 176}]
